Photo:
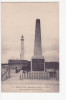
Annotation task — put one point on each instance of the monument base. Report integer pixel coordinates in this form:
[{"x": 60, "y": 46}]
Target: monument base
[{"x": 37, "y": 63}]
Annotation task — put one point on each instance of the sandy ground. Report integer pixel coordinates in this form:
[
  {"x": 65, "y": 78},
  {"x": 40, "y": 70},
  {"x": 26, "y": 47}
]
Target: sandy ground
[{"x": 14, "y": 84}]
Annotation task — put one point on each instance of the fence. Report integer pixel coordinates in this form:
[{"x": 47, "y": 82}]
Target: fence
[
  {"x": 40, "y": 75},
  {"x": 35, "y": 75},
  {"x": 5, "y": 75}
]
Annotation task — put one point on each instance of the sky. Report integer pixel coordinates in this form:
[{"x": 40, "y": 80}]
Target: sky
[{"x": 19, "y": 19}]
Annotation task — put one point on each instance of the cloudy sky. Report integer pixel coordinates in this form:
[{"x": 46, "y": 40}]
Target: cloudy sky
[{"x": 18, "y": 19}]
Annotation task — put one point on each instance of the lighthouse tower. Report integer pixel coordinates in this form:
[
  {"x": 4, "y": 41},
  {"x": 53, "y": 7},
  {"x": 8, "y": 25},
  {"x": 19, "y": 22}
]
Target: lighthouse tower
[{"x": 22, "y": 48}]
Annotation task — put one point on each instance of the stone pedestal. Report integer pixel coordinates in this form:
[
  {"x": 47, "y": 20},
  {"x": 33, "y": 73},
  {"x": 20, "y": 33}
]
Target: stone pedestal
[{"x": 37, "y": 63}]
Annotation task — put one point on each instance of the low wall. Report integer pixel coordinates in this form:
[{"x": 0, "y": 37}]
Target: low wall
[
  {"x": 39, "y": 75},
  {"x": 36, "y": 75}
]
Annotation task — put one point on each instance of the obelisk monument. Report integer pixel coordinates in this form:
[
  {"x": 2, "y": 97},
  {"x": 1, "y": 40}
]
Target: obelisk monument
[
  {"x": 37, "y": 63},
  {"x": 37, "y": 42}
]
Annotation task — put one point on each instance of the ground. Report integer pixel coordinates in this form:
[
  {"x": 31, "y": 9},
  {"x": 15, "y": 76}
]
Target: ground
[{"x": 14, "y": 84}]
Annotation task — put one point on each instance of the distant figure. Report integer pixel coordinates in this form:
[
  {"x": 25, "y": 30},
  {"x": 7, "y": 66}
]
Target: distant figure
[
  {"x": 20, "y": 77},
  {"x": 16, "y": 70}
]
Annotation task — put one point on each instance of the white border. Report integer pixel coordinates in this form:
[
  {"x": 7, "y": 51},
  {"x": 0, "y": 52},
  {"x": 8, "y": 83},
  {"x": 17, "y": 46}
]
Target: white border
[
  {"x": 62, "y": 30},
  {"x": 30, "y": 0}
]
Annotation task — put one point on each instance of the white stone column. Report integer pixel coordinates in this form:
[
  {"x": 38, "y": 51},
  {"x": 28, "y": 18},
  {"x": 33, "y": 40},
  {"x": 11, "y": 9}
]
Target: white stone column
[{"x": 22, "y": 48}]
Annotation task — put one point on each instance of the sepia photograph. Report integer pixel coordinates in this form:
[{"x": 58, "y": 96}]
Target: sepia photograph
[{"x": 30, "y": 47}]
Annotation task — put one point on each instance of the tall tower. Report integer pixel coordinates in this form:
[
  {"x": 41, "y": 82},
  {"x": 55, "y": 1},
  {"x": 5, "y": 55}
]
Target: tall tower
[
  {"x": 22, "y": 48},
  {"x": 37, "y": 63},
  {"x": 37, "y": 42}
]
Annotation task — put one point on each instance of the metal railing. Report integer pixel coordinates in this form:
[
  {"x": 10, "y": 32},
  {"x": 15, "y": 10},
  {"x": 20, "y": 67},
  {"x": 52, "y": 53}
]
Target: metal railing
[{"x": 5, "y": 75}]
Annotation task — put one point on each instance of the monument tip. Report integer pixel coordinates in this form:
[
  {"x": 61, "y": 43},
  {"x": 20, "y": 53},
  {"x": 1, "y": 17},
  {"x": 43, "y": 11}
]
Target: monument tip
[{"x": 37, "y": 20}]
